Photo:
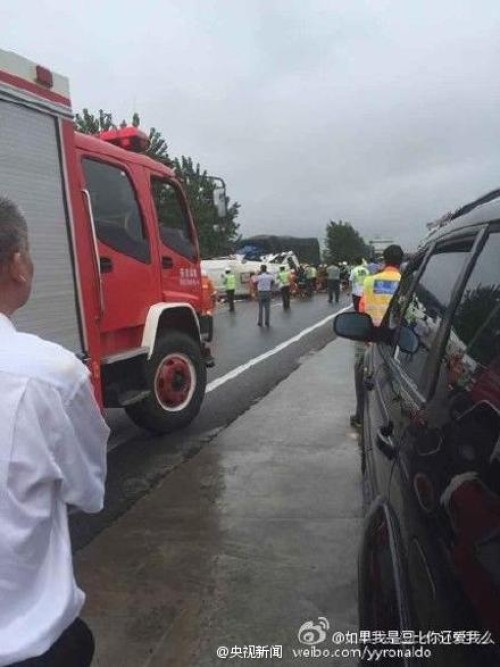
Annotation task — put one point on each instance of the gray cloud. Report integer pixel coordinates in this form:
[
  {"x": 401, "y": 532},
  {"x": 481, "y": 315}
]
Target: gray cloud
[{"x": 383, "y": 113}]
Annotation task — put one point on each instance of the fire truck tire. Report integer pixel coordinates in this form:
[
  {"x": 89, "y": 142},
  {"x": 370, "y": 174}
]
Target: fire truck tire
[{"x": 176, "y": 377}]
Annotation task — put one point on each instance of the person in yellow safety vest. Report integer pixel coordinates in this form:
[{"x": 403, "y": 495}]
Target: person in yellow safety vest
[
  {"x": 357, "y": 279},
  {"x": 377, "y": 294},
  {"x": 284, "y": 279},
  {"x": 310, "y": 279},
  {"x": 230, "y": 287},
  {"x": 379, "y": 288},
  {"x": 314, "y": 274}
]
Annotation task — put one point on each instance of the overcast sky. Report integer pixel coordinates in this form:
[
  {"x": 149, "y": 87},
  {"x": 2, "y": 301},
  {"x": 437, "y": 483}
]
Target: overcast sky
[{"x": 383, "y": 112}]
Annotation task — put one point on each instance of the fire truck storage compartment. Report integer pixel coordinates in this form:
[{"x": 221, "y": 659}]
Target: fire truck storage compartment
[{"x": 30, "y": 175}]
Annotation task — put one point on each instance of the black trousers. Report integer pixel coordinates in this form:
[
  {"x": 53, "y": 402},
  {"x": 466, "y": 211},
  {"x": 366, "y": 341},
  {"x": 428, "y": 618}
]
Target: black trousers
[
  {"x": 230, "y": 299},
  {"x": 333, "y": 288},
  {"x": 285, "y": 296},
  {"x": 74, "y": 648},
  {"x": 355, "y": 302}
]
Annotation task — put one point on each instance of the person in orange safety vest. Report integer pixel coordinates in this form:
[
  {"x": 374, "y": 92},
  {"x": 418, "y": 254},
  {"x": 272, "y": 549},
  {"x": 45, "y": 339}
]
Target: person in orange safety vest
[
  {"x": 377, "y": 294},
  {"x": 208, "y": 294},
  {"x": 379, "y": 288}
]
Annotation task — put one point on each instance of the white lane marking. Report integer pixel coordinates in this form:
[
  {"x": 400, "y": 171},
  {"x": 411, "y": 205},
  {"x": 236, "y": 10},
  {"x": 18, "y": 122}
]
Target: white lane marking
[{"x": 265, "y": 355}]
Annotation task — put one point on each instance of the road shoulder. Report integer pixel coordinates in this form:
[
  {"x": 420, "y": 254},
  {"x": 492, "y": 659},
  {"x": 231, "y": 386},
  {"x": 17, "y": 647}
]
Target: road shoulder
[{"x": 244, "y": 543}]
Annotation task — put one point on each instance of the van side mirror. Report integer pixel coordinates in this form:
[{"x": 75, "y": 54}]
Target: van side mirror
[
  {"x": 408, "y": 340},
  {"x": 355, "y": 326}
]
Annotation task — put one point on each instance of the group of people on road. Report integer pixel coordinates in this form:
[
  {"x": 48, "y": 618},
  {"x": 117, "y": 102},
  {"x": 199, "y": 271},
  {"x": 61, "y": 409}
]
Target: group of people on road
[
  {"x": 263, "y": 284},
  {"x": 371, "y": 284}
]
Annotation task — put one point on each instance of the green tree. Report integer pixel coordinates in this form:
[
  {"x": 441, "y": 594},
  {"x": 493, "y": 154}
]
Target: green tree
[
  {"x": 343, "y": 243},
  {"x": 217, "y": 236},
  {"x": 88, "y": 123}
]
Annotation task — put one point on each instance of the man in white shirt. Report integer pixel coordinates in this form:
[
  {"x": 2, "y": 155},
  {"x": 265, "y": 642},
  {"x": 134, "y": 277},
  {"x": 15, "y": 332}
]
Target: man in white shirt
[
  {"x": 52, "y": 454},
  {"x": 265, "y": 283}
]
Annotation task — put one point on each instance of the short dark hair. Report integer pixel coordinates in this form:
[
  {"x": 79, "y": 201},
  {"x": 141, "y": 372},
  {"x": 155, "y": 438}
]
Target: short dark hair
[
  {"x": 263, "y": 268},
  {"x": 358, "y": 260},
  {"x": 393, "y": 255},
  {"x": 13, "y": 230}
]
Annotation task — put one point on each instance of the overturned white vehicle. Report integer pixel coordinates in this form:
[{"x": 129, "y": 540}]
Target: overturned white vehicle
[{"x": 243, "y": 269}]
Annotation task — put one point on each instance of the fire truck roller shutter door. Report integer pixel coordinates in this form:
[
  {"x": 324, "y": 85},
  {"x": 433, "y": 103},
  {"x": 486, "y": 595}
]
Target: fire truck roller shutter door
[{"x": 31, "y": 175}]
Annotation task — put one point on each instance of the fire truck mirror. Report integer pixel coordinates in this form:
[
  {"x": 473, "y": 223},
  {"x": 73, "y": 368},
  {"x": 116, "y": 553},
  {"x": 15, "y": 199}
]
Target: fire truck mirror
[{"x": 220, "y": 201}]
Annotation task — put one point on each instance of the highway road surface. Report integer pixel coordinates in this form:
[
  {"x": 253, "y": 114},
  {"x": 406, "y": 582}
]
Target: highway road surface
[{"x": 250, "y": 361}]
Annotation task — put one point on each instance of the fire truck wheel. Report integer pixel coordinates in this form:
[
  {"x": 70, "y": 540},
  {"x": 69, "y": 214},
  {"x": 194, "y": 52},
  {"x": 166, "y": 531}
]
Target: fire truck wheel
[{"x": 176, "y": 376}]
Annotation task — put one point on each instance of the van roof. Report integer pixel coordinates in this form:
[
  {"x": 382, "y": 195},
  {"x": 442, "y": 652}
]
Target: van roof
[{"x": 484, "y": 209}]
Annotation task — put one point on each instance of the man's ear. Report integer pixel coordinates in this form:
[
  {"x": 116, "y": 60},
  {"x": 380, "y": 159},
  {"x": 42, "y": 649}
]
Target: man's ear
[{"x": 17, "y": 268}]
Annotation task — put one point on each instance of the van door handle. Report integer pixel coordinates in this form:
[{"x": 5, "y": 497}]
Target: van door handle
[
  {"x": 368, "y": 382},
  {"x": 105, "y": 264},
  {"x": 167, "y": 262},
  {"x": 385, "y": 442}
]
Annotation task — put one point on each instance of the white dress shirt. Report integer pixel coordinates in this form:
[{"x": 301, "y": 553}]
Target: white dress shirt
[{"x": 52, "y": 454}]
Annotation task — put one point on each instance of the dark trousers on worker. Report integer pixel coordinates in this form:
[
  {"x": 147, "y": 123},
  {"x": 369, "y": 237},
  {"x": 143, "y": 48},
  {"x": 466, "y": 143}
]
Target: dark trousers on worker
[
  {"x": 310, "y": 286},
  {"x": 230, "y": 299},
  {"x": 74, "y": 648},
  {"x": 285, "y": 296},
  {"x": 359, "y": 378},
  {"x": 333, "y": 289},
  {"x": 355, "y": 302},
  {"x": 264, "y": 307}
]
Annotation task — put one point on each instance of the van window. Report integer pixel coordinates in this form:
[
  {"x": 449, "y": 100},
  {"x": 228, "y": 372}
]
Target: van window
[
  {"x": 117, "y": 216},
  {"x": 468, "y": 388},
  {"x": 472, "y": 355},
  {"x": 173, "y": 220},
  {"x": 399, "y": 302},
  {"x": 426, "y": 307}
]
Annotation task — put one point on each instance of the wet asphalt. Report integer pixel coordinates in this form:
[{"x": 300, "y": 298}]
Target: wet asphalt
[
  {"x": 138, "y": 461},
  {"x": 251, "y": 543}
]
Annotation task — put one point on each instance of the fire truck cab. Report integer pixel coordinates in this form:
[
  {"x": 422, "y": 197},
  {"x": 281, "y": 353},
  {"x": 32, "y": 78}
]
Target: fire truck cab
[{"x": 115, "y": 249}]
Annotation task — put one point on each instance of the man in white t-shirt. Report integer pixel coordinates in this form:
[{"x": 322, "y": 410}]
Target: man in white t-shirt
[
  {"x": 52, "y": 454},
  {"x": 265, "y": 283}
]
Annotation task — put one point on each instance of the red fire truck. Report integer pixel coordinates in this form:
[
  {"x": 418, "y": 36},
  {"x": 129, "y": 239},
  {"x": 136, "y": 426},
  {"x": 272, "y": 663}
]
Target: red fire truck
[{"x": 117, "y": 266}]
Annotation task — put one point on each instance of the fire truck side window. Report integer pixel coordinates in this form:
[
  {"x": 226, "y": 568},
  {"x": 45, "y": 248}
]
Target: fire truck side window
[
  {"x": 116, "y": 212},
  {"x": 173, "y": 221}
]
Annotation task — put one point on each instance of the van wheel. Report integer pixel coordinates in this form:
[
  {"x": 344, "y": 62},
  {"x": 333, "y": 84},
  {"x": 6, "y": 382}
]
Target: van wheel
[{"x": 176, "y": 378}]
